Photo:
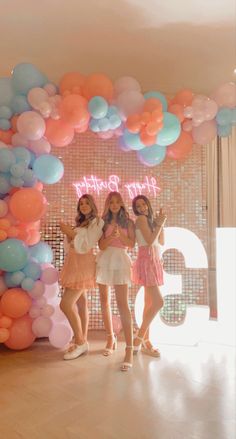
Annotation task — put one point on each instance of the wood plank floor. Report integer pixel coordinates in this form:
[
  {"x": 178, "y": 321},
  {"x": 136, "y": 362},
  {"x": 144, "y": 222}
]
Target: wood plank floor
[{"x": 187, "y": 394}]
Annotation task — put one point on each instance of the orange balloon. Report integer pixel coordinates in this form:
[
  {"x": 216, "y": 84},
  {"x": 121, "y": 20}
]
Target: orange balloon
[
  {"x": 179, "y": 149},
  {"x": 71, "y": 82},
  {"x": 133, "y": 123},
  {"x": 157, "y": 115},
  {"x": 15, "y": 303},
  {"x": 98, "y": 84},
  {"x": 5, "y": 322},
  {"x": 27, "y": 205},
  {"x": 21, "y": 335},
  {"x": 178, "y": 110},
  {"x": 152, "y": 104},
  {"x": 58, "y": 132},
  {"x": 73, "y": 110},
  {"x": 184, "y": 97},
  {"x": 13, "y": 123},
  {"x": 145, "y": 118},
  {"x": 4, "y": 224},
  {"x": 4, "y": 335},
  {"x": 12, "y": 232},
  {"x": 146, "y": 139},
  {"x": 3, "y": 235},
  {"x": 152, "y": 128},
  {"x": 5, "y": 136}
]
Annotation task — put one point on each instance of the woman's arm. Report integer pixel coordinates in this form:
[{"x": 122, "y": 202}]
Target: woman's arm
[
  {"x": 104, "y": 242},
  {"x": 68, "y": 230},
  {"x": 128, "y": 240},
  {"x": 148, "y": 234}
]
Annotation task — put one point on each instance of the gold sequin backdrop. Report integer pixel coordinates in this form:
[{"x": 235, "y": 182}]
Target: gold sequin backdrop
[{"x": 183, "y": 196}]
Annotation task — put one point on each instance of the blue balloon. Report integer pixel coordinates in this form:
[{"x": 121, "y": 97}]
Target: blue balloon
[
  {"x": 104, "y": 124},
  {"x": 5, "y": 112},
  {"x": 152, "y": 155},
  {"x": 132, "y": 140},
  {"x": 8, "y": 280},
  {"x": 17, "y": 277},
  {"x": 22, "y": 154},
  {"x": 98, "y": 107},
  {"x": 42, "y": 252},
  {"x": 29, "y": 178},
  {"x": 32, "y": 270},
  {"x": 26, "y": 76},
  {"x": 48, "y": 168},
  {"x": 233, "y": 116},
  {"x": 13, "y": 255},
  {"x": 5, "y": 185},
  {"x": 112, "y": 110},
  {"x": 6, "y": 91},
  {"x": 17, "y": 170},
  {"x": 16, "y": 182},
  {"x": 223, "y": 116},
  {"x": 7, "y": 159},
  {"x": 93, "y": 125},
  {"x": 19, "y": 104},
  {"x": 170, "y": 131},
  {"x": 27, "y": 284},
  {"x": 122, "y": 146},
  {"x": 224, "y": 130},
  {"x": 115, "y": 121},
  {"x": 157, "y": 95},
  {"x": 4, "y": 124}
]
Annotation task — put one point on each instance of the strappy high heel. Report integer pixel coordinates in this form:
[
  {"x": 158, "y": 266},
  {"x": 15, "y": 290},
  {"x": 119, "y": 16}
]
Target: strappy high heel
[
  {"x": 150, "y": 350},
  {"x": 109, "y": 351},
  {"x": 137, "y": 348},
  {"x": 126, "y": 365}
]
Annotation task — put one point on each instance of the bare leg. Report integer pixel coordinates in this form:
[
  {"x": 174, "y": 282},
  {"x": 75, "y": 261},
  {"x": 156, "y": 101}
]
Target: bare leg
[
  {"x": 126, "y": 318},
  {"x": 153, "y": 303},
  {"x": 67, "y": 305},
  {"x": 106, "y": 314},
  {"x": 84, "y": 314}
]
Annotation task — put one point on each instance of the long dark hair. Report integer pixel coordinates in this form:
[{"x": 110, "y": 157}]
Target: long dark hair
[
  {"x": 150, "y": 218},
  {"x": 122, "y": 218},
  {"x": 80, "y": 219}
]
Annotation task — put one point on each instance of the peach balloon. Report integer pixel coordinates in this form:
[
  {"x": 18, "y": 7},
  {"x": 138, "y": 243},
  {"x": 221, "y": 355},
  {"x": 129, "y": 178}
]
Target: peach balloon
[
  {"x": 73, "y": 110},
  {"x": 28, "y": 204},
  {"x": 21, "y": 335},
  {"x": 15, "y": 303},
  {"x": 177, "y": 109},
  {"x": 5, "y": 136},
  {"x": 181, "y": 147},
  {"x": 184, "y": 97},
  {"x": 98, "y": 84},
  {"x": 58, "y": 132},
  {"x": 5, "y": 322},
  {"x": 152, "y": 104},
  {"x": 70, "y": 81},
  {"x": 4, "y": 335}
]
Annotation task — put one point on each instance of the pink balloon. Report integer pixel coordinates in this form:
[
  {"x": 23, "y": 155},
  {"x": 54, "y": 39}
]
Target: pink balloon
[
  {"x": 130, "y": 102},
  {"x": 126, "y": 83},
  {"x": 60, "y": 335},
  {"x": 3, "y": 208},
  {"x": 47, "y": 310},
  {"x": 37, "y": 290},
  {"x": 205, "y": 132},
  {"x": 39, "y": 147},
  {"x": 211, "y": 109},
  {"x": 50, "y": 89},
  {"x": 42, "y": 326},
  {"x": 49, "y": 276},
  {"x": 36, "y": 96},
  {"x": 41, "y": 302},
  {"x": 187, "y": 126},
  {"x": 225, "y": 95},
  {"x": 31, "y": 125},
  {"x": 58, "y": 315},
  {"x": 19, "y": 140},
  {"x": 34, "y": 312},
  {"x": 51, "y": 291}
]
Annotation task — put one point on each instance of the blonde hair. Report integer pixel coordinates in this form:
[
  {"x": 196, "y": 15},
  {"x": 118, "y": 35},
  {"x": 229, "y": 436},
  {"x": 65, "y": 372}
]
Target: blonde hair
[{"x": 122, "y": 218}]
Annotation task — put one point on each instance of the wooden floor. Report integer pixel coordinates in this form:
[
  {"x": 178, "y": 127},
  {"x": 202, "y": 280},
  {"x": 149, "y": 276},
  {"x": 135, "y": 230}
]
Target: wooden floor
[{"x": 187, "y": 394}]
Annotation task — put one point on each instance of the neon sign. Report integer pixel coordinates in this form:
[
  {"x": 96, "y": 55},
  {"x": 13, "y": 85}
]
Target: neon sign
[{"x": 96, "y": 185}]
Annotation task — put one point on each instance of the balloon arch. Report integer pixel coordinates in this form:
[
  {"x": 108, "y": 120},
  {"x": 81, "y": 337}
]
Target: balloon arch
[{"x": 35, "y": 114}]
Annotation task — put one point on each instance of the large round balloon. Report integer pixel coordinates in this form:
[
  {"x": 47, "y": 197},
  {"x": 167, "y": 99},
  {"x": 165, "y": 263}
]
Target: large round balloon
[
  {"x": 15, "y": 303},
  {"x": 152, "y": 155},
  {"x": 21, "y": 335},
  {"x": 26, "y": 76},
  {"x": 48, "y": 168},
  {"x": 171, "y": 130},
  {"x": 27, "y": 205},
  {"x": 42, "y": 252},
  {"x": 13, "y": 255}
]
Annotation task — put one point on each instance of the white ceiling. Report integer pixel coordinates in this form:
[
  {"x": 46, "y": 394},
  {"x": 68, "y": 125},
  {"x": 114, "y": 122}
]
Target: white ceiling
[{"x": 165, "y": 44}]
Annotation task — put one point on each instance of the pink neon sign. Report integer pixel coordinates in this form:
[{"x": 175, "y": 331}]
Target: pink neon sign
[{"x": 96, "y": 185}]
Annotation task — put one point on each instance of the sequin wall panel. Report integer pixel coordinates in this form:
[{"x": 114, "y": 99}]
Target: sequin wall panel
[{"x": 183, "y": 196}]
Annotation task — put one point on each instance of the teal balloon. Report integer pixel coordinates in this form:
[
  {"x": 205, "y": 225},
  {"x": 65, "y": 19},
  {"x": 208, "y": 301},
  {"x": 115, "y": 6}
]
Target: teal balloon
[
  {"x": 48, "y": 168},
  {"x": 14, "y": 255},
  {"x": 157, "y": 95},
  {"x": 223, "y": 116},
  {"x": 132, "y": 140},
  {"x": 8, "y": 280},
  {"x": 4, "y": 124},
  {"x": 16, "y": 182},
  {"x": 42, "y": 252},
  {"x": 152, "y": 155},
  {"x": 29, "y": 178},
  {"x": 22, "y": 155},
  {"x": 5, "y": 185},
  {"x": 224, "y": 130},
  {"x": 5, "y": 112},
  {"x": 17, "y": 277},
  {"x": 170, "y": 131},
  {"x": 115, "y": 121},
  {"x": 19, "y": 104},
  {"x": 93, "y": 125},
  {"x": 26, "y": 76},
  {"x": 98, "y": 107},
  {"x": 7, "y": 159},
  {"x": 233, "y": 116},
  {"x": 6, "y": 91},
  {"x": 104, "y": 124},
  {"x": 27, "y": 284},
  {"x": 32, "y": 270}
]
